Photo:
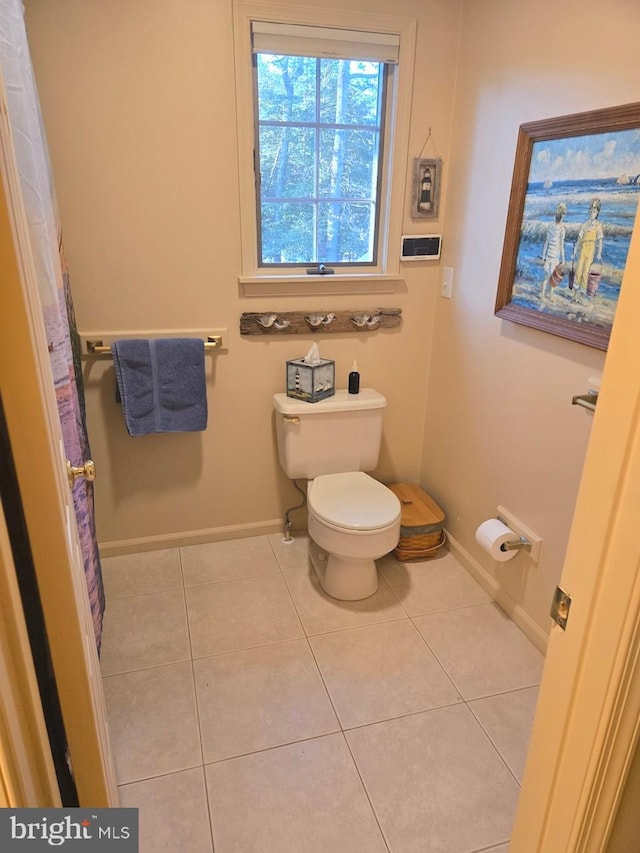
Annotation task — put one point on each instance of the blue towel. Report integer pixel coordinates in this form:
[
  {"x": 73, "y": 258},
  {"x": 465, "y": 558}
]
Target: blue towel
[{"x": 162, "y": 384}]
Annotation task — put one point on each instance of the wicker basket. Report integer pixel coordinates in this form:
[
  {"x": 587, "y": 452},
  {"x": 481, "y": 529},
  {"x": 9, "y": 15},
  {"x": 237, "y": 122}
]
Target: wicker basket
[{"x": 422, "y": 525}]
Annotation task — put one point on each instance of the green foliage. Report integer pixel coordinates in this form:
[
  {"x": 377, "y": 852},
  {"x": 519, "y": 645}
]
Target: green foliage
[{"x": 319, "y": 145}]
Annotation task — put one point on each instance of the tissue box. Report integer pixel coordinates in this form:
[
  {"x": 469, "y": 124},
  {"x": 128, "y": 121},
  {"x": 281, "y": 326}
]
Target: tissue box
[{"x": 311, "y": 382}]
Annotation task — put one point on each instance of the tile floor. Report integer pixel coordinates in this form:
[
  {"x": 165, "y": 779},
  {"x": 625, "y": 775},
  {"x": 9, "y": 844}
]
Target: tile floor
[{"x": 249, "y": 712}]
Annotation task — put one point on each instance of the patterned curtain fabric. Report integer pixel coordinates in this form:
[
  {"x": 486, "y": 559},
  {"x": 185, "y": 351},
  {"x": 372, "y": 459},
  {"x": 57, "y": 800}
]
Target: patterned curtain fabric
[{"x": 36, "y": 180}]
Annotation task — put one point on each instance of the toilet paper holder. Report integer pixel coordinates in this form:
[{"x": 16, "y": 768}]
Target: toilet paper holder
[{"x": 520, "y": 544}]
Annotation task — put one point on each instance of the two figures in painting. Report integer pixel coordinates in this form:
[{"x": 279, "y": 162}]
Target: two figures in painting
[{"x": 586, "y": 258}]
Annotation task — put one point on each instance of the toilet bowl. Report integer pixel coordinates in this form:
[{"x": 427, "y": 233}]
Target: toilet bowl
[{"x": 353, "y": 520}]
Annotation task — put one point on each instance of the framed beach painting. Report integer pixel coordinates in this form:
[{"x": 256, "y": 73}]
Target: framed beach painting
[{"x": 572, "y": 209}]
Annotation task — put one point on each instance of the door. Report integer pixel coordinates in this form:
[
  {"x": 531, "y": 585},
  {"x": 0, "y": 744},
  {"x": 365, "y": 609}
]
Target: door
[
  {"x": 31, "y": 156},
  {"x": 588, "y": 715},
  {"x": 40, "y": 459}
]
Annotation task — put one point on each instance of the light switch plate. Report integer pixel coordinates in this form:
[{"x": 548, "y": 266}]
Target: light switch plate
[{"x": 447, "y": 283}]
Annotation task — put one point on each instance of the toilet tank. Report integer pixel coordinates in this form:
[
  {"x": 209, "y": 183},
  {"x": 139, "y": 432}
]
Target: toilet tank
[{"x": 341, "y": 433}]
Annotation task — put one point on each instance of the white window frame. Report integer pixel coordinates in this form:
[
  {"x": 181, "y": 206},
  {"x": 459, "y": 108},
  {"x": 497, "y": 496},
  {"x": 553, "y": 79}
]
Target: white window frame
[{"x": 396, "y": 145}]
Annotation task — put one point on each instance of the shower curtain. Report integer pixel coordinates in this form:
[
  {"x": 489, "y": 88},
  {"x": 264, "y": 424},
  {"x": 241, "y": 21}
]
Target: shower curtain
[{"x": 37, "y": 186}]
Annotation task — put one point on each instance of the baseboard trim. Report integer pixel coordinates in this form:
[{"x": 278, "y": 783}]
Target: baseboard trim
[
  {"x": 116, "y": 548},
  {"x": 519, "y": 615}
]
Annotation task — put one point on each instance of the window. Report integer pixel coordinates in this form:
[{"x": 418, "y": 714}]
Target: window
[
  {"x": 319, "y": 131},
  {"x": 322, "y": 147}
]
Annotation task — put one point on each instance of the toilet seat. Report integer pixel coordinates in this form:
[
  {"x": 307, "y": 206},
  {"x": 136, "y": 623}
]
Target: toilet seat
[{"x": 353, "y": 502}]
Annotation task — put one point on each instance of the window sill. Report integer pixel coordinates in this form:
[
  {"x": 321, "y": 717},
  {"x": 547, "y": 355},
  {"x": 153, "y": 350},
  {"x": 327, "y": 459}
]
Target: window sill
[{"x": 313, "y": 285}]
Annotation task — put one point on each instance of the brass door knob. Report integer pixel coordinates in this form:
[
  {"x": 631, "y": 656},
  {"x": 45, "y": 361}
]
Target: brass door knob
[{"x": 88, "y": 471}]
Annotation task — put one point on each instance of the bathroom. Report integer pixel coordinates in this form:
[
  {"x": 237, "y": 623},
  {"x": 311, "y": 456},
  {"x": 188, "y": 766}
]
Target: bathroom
[{"x": 144, "y": 150}]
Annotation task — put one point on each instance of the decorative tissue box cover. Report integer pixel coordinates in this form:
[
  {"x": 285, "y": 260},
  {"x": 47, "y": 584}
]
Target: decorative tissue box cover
[{"x": 311, "y": 382}]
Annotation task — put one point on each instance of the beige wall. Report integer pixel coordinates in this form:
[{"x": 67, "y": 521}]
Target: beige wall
[
  {"x": 500, "y": 428},
  {"x": 139, "y": 104}
]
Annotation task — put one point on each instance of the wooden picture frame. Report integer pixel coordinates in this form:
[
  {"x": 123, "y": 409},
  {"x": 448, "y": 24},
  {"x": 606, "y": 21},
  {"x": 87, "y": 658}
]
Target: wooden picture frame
[
  {"x": 427, "y": 177},
  {"x": 574, "y": 197}
]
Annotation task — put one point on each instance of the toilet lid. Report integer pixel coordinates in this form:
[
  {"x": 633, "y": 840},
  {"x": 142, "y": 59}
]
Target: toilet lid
[{"x": 353, "y": 501}]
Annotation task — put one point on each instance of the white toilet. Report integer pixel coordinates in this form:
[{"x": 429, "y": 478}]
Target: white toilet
[{"x": 353, "y": 519}]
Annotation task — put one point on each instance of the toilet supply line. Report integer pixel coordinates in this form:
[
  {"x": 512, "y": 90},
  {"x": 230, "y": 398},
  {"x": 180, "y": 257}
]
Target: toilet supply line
[{"x": 287, "y": 538}]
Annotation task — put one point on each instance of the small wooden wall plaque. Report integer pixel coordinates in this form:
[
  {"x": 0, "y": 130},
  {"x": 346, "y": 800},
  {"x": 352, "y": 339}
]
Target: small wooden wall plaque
[{"x": 321, "y": 322}]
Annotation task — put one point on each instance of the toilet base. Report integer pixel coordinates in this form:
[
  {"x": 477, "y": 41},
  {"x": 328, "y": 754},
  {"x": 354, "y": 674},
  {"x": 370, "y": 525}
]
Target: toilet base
[{"x": 344, "y": 579}]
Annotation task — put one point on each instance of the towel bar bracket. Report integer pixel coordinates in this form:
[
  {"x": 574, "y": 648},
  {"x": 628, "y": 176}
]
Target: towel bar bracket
[
  {"x": 587, "y": 401},
  {"x": 97, "y": 348}
]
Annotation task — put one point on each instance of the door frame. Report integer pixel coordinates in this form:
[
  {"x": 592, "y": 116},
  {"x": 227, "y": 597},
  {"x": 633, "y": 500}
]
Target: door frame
[
  {"x": 588, "y": 716},
  {"x": 27, "y": 773},
  {"x": 36, "y": 441}
]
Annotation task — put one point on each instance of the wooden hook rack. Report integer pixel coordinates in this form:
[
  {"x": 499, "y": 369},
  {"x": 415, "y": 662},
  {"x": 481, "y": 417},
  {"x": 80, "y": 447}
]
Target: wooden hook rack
[{"x": 319, "y": 322}]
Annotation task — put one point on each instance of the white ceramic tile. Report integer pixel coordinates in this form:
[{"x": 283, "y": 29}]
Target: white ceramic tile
[
  {"x": 260, "y": 698},
  {"x": 508, "y": 720},
  {"x": 137, "y": 574},
  {"x": 152, "y": 720},
  {"x": 482, "y": 650},
  {"x": 239, "y": 614},
  {"x": 436, "y": 782},
  {"x": 428, "y": 586},
  {"x": 294, "y": 554},
  {"x": 173, "y": 813},
  {"x": 321, "y": 613},
  {"x": 381, "y": 671},
  {"x": 221, "y": 561},
  {"x": 143, "y": 631},
  {"x": 302, "y": 798}
]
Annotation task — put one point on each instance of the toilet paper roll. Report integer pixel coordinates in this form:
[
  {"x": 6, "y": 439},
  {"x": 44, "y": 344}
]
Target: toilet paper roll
[{"x": 491, "y": 535}]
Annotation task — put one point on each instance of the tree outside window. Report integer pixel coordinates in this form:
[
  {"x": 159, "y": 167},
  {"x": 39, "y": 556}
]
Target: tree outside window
[{"x": 319, "y": 152}]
